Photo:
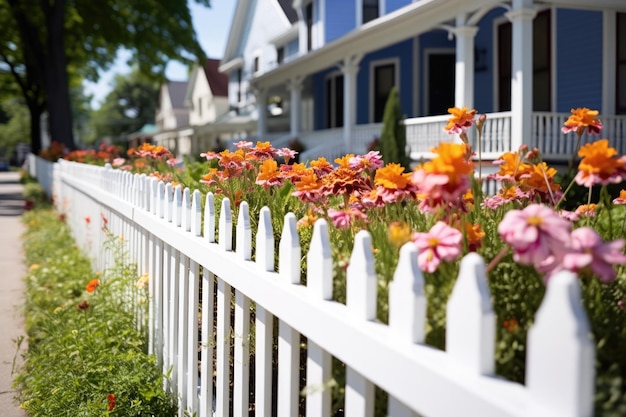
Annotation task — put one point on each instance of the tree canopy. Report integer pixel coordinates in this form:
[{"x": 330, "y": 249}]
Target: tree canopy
[
  {"x": 49, "y": 45},
  {"x": 127, "y": 108}
]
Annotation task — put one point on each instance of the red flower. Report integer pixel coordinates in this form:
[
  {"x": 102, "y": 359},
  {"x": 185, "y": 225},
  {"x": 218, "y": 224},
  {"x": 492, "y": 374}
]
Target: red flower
[
  {"x": 87, "y": 219},
  {"x": 111, "y": 400},
  {"x": 83, "y": 305}
]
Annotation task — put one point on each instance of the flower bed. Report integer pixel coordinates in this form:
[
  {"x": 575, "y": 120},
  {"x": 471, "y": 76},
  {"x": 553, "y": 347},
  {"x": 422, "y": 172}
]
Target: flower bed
[{"x": 539, "y": 223}]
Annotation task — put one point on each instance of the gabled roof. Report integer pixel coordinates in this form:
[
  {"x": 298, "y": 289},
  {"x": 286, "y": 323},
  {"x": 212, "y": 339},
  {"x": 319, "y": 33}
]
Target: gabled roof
[
  {"x": 217, "y": 80},
  {"x": 240, "y": 17},
  {"x": 177, "y": 90}
]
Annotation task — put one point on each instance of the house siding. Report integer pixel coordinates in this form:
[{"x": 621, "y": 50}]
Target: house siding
[
  {"x": 291, "y": 49},
  {"x": 403, "y": 51},
  {"x": 579, "y": 59},
  {"x": 340, "y": 18},
  {"x": 393, "y": 5}
]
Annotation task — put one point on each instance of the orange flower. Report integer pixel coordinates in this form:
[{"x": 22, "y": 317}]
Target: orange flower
[
  {"x": 269, "y": 174},
  {"x": 87, "y": 219},
  {"x": 308, "y": 188},
  {"x": 461, "y": 119},
  {"x": 474, "y": 235},
  {"x": 621, "y": 199},
  {"x": 581, "y": 119},
  {"x": 392, "y": 176},
  {"x": 537, "y": 175},
  {"x": 344, "y": 161},
  {"x": 321, "y": 166},
  {"x": 92, "y": 285},
  {"x": 451, "y": 160},
  {"x": 343, "y": 181},
  {"x": 599, "y": 165},
  {"x": 262, "y": 151},
  {"x": 399, "y": 233}
]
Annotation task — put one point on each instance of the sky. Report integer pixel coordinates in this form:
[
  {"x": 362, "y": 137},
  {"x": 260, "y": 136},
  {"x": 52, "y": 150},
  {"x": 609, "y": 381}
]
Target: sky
[{"x": 212, "y": 27}]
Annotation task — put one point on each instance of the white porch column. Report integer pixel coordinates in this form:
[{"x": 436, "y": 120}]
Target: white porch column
[
  {"x": 521, "y": 17},
  {"x": 350, "y": 69},
  {"x": 261, "y": 106},
  {"x": 464, "y": 67},
  {"x": 295, "y": 87}
]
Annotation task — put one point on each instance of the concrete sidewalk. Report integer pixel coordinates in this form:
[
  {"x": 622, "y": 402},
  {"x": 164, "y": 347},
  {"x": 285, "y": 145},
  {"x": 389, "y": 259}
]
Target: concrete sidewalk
[{"x": 12, "y": 272}]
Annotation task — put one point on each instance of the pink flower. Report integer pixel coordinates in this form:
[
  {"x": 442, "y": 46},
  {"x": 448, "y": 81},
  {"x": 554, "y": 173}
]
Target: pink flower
[
  {"x": 368, "y": 162},
  {"x": 287, "y": 153},
  {"x": 342, "y": 219},
  {"x": 537, "y": 234},
  {"x": 441, "y": 243},
  {"x": 588, "y": 251},
  {"x": 118, "y": 162},
  {"x": 243, "y": 144}
]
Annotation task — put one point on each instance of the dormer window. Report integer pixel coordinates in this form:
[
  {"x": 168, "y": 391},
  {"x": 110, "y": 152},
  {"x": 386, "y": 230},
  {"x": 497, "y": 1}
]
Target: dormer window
[
  {"x": 370, "y": 10},
  {"x": 280, "y": 55},
  {"x": 256, "y": 65}
]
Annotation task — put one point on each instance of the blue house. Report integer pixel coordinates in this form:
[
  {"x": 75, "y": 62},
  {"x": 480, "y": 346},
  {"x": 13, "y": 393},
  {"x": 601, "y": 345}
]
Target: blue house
[{"x": 330, "y": 64}]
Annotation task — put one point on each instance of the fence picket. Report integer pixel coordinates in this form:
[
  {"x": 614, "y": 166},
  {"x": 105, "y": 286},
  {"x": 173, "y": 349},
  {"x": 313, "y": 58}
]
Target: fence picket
[
  {"x": 470, "y": 328},
  {"x": 183, "y": 302},
  {"x": 243, "y": 244},
  {"x": 209, "y": 218},
  {"x": 560, "y": 370},
  {"x": 263, "y": 362},
  {"x": 265, "y": 241},
  {"x": 206, "y": 348},
  {"x": 192, "y": 311},
  {"x": 320, "y": 263},
  {"x": 407, "y": 301},
  {"x": 222, "y": 367},
  {"x": 241, "y": 366},
  {"x": 289, "y": 251},
  {"x": 226, "y": 226}
]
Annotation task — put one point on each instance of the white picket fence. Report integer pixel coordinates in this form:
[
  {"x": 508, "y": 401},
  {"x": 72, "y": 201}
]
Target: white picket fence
[{"x": 162, "y": 226}]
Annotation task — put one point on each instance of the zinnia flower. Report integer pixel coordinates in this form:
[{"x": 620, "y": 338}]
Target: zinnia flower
[
  {"x": 441, "y": 243},
  {"x": 111, "y": 401},
  {"x": 589, "y": 252},
  {"x": 621, "y": 199},
  {"x": 537, "y": 234},
  {"x": 269, "y": 175},
  {"x": 599, "y": 165},
  {"x": 92, "y": 285},
  {"x": 581, "y": 119},
  {"x": 461, "y": 120},
  {"x": 342, "y": 219}
]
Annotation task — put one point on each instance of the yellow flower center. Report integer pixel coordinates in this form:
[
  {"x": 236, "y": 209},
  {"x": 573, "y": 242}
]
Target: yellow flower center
[{"x": 535, "y": 221}]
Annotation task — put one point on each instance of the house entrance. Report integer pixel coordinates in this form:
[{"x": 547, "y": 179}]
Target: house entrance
[{"x": 440, "y": 82}]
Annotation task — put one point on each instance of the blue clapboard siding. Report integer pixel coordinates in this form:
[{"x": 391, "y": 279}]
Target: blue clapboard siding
[
  {"x": 340, "y": 18},
  {"x": 578, "y": 59},
  {"x": 403, "y": 51},
  {"x": 392, "y": 5}
]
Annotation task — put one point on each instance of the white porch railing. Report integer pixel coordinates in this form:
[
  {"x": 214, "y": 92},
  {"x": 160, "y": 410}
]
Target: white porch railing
[
  {"x": 558, "y": 146},
  {"x": 162, "y": 227},
  {"x": 329, "y": 143},
  {"x": 425, "y": 133}
]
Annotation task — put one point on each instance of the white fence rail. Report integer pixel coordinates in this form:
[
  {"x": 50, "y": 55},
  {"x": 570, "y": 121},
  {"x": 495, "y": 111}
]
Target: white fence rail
[{"x": 175, "y": 242}]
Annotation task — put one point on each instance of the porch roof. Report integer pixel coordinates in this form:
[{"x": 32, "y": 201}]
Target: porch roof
[{"x": 408, "y": 21}]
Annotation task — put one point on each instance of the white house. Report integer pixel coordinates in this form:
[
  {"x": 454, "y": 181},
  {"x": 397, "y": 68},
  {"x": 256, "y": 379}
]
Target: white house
[
  {"x": 525, "y": 63},
  {"x": 172, "y": 118}
]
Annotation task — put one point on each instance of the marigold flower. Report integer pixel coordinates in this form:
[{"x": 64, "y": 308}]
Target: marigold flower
[
  {"x": 262, "y": 151},
  {"x": 474, "y": 235},
  {"x": 344, "y": 161},
  {"x": 308, "y": 220},
  {"x": 441, "y": 243},
  {"x": 581, "y": 119},
  {"x": 287, "y": 154},
  {"x": 399, "y": 233},
  {"x": 537, "y": 234},
  {"x": 599, "y": 165},
  {"x": 586, "y": 210},
  {"x": 321, "y": 167},
  {"x": 92, "y": 285},
  {"x": 589, "y": 252},
  {"x": 393, "y": 183},
  {"x": 308, "y": 188},
  {"x": 621, "y": 199},
  {"x": 461, "y": 120},
  {"x": 343, "y": 181},
  {"x": 269, "y": 175}
]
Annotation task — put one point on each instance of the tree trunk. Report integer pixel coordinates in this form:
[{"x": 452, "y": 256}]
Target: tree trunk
[
  {"x": 35, "y": 128},
  {"x": 56, "y": 78}
]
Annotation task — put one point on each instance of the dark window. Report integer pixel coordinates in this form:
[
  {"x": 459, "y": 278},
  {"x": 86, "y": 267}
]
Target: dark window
[
  {"x": 370, "y": 10},
  {"x": 334, "y": 101},
  {"x": 441, "y": 82},
  {"x": 541, "y": 64},
  {"x": 384, "y": 80},
  {"x": 256, "y": 65},
  {"x": 280, "y": 55},
  {"x": 309, "y": 26},
  {"x": 620, "y": 96}
]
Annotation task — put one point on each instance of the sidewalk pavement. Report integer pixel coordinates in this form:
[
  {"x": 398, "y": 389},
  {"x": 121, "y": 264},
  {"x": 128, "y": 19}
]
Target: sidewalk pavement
[{"x": 12, "y": 272}]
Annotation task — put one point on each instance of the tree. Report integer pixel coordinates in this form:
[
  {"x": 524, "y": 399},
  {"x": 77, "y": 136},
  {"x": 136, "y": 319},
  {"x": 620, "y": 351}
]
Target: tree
[
  {"x": 48, "y": 43},
  {"x": 16, "y": 128},
  {"x": 393, "y": 135},
  {"x": 127, "y": 108}
]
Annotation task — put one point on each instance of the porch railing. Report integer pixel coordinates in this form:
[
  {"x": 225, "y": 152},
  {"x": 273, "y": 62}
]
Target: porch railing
[
  {"x": 329, "y": 143},
  {"x": 195, "y": 273}
]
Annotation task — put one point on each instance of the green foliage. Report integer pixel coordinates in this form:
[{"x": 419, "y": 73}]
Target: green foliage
[
  {"x": 83, "y": 347},
  {"x": 393, "y": 136},
  {"x": 34, "y": 195},
  {"x": 16, "y": 129},
  {"x": 127, "y": 108}
]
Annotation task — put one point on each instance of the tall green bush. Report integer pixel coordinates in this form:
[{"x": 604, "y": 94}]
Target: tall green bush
[{"x": 393, "y": 136}]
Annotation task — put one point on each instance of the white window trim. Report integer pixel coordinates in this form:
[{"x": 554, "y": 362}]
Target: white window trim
[
  {"x": 427, "y": 53},
  {"x": 380, "y": 62},
  {"x": 382, "y": 7}
]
